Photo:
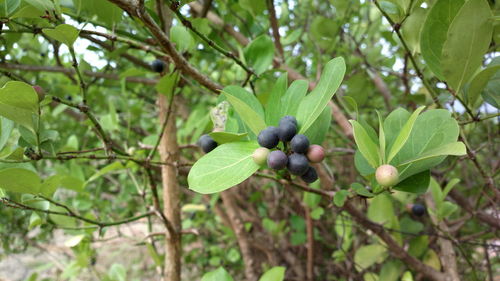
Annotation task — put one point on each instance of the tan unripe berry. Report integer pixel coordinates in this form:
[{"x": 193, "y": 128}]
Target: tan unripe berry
[{"x": 387, "y": 175}]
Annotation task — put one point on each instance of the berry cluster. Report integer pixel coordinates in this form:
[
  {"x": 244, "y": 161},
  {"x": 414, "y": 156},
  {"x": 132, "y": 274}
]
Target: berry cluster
[{"x": 297, "y": 159}]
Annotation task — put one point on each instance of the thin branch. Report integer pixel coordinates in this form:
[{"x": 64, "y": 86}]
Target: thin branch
[
  {"x": 83, "y": 86},
  {"x": 174, "y": 7},
  {"x": 64, "y": 70},
  {"x": 70, "y": 213},
  {"x": 275, "y": 27},
  {"x": 481, "y": 119}
]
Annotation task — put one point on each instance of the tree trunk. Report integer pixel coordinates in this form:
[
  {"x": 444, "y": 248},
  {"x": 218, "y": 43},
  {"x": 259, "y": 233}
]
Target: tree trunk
[{"x": 169, "y": 152}]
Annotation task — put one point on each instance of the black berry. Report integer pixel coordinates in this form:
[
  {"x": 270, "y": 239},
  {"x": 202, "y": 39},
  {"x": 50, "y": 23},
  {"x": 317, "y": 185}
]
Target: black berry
[
  {"x": 418, "y": 210},
  {"x": 207, "y": 143},
  {"x": 288, "y": 119},
  {"x": 277, "y": 160},
  {"x": 158, "y": 66},
  {"x": 300, "y": 144},
  {"x": 287, "y": 131},
  {"x": 297, "y": 164},
  {"x": 268, "y": 137},
  {"x": 310, "y": 176}
]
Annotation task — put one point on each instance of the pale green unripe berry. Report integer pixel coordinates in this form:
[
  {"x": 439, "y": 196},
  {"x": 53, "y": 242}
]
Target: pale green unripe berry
[
  {"x": 259, "y": 156},
  {"x": 387, "y": 175}
]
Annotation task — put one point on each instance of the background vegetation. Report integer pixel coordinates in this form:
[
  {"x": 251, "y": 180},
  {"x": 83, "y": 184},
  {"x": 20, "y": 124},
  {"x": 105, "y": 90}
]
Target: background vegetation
[{"x": 103, "y": 152}]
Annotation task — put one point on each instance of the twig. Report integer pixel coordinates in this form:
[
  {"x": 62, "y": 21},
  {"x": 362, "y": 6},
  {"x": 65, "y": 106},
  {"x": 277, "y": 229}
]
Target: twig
[
  {"x": 70, "y": 213},
  {"x": 83, "y": 86},
  {"x": 275, "y": 27},
  {"x": 174, "y": 7}
]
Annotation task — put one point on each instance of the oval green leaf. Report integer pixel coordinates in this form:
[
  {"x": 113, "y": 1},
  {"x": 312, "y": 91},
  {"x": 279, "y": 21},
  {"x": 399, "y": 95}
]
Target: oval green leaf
[{"x": 226, "y": 166}]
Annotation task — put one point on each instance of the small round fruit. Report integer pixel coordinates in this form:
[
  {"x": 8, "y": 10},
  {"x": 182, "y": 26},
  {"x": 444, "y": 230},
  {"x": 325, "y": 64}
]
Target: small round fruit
[
  {"x": 277, "y": 160},
  {"x": 158, "y": 66},
  {"x": 418, "y": 210},
  {"x": 299, "y": 143},
  {"x": 268, "y": 137},
  {"x": 315, "y": 153},
  {"x": 286, "y": 131},
  {"x": 297, "y": 164},
  {"x": 207, "y": 143},
  {"x": 310, "y": 176},
  {"x": 39, "y": 91},
  {"x": 387, "y": 175},
  {"x": 259, "y": 156},
  {"x": 288, "y": 119}
]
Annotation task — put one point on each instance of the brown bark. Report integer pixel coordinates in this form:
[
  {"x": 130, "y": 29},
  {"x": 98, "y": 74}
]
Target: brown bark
[
  {"x": 481, "y": 215},
  {"x": 448, "y": 257},
  {"x": 242, "y": 236},
  {"x": 169, "y": 151},
  {"x": 393, "y": 246}
]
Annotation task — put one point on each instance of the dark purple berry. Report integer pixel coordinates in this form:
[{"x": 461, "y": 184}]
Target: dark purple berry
[
  {"x": 287, "y": 131},
  {"x": 418, "y": 210},
  {"x": 207, "y": 143},
  {"x": 297, "y": 164},
  {"x": 288, "y": 119},
  {"x": 158, "y": 66},
  {"x": 299, "y": 144},
  {"x": 268, "y": 137},
  {"x": 277, "y": 160},
  {"x": 310, "y": 176}
]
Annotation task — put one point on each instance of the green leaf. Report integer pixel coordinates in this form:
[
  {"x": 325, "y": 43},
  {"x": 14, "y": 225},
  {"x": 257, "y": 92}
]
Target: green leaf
[
  {"x": 247, "y": 106},
  {"x": 412, "y": 28},
  {"x": 166, "y": 84},
  {"x": 6, "y": 127},
  {"x": 468, "y": 38},
  {"x": 365, "y": 144},
  {"x": 432, "y": 129},
  {"x": 318, "y": 130},
  {"x": 295, "y": 93},
  {"x": 361, "y": 190},
  {"x": 19, "y": 180},
  {"x": 274, "y": 105},
  {"x": 479, "y": 83},
  {"x": 435, "y": 32},
  {"x": 226, "y": 166},
  {"x": 391, "y": 270},
  {"x": 276, "y": 273},
  {"x": 107, "y": 169},
  {"x": 291, "y": 37},
  {"x": 182, "y": 39},
  {"x": 404, "y": 134},
  {"x": 35, "y": 220},
  {"x": 105, "y": 11},
  {"x": 315, "y": 102},
  {"x": 381, "y": 209},
  {"x": 42, "y": 5},
  {"x": 340, "y": 197},
  {"x": 417, "y": 183},
  {"x": 28, "y": 11},
  {"x": 381, "y": 137},
  {"x": 220, "y": 274},
  {"x": 446, "y": 209},
  {"x": 118, "y": 272},
  {"x": 63, "y": 33},
  {"x": 368, "y": 255},
  {"x": 224, "y": 137},
  {"x": 312, "y": 199},
  {"x": 154, "y": 254},
  {"x": 457, "y": 149},
  {"x": 7, "y": 7},
  {"x": 259, "y": 53},
  {"x": 19, "y": 103}
]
